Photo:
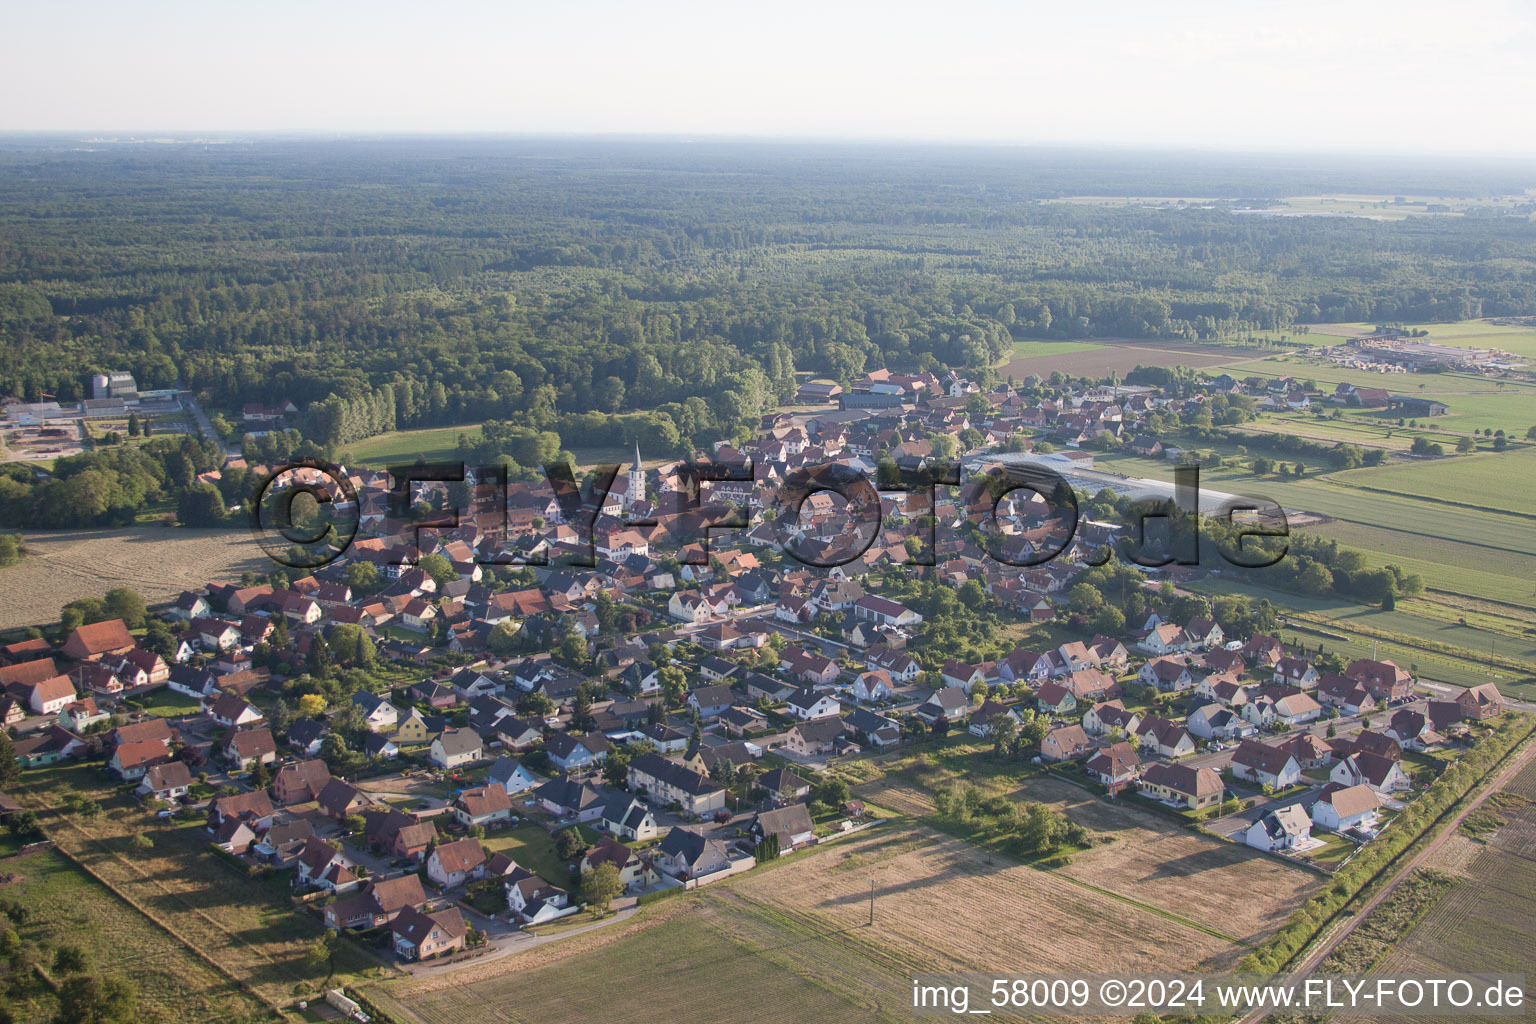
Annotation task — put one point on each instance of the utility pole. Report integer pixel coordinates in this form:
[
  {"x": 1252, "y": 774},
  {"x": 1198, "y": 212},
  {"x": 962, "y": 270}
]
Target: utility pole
[{"x": 871, "y": 902}]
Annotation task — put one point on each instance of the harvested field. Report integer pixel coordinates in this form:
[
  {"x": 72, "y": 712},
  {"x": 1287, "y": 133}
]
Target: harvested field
[
  {"x": 1143, "y": 856},
  {"x": 1119, "y": 356},
  {"x": 792, "y": 942},
  {"x": 157, "y": 561},
  {"x": 1226, "y": 887},
  {"x": 685, "y": 957},
  {"x": 931, "y": 890}
]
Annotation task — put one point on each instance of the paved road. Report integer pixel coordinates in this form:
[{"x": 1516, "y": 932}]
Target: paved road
[
  {"x": 1317, "y": 956},
  {"x": 514, "y": 942},
  {"x": 190, "y": 404}
]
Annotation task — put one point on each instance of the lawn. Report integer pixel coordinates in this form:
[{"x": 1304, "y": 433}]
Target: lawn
[
  {"x": 433, "y": 444},
  {"x": 533, "y": 848},
  {"x": 167, "y": 703}
]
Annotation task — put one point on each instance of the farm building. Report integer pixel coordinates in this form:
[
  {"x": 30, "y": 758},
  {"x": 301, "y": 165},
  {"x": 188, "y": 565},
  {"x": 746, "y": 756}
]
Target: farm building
[{"x": 1409, "y": 406}]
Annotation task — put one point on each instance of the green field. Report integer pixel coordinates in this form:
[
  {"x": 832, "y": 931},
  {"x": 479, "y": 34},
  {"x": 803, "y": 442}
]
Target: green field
[
  {"x": 1506, "y": 480},
  {"x": 1033, "y": 349},
  {"x": 434, "y": 444},
  {"x": 1445, "y": 564},
  {"x": 1413, "y": 517}
]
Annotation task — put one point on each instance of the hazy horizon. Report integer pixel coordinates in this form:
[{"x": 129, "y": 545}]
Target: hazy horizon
[{"x": 1310, "y": 77}]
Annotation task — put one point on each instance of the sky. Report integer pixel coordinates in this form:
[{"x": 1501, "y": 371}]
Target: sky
[{"x": 1358, "y": 75}]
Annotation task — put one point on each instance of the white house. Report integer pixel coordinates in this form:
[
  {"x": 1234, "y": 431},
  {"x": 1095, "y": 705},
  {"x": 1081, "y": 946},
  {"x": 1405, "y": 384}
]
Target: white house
[
  {"x": 1345, "y": 807},
  {"x": 1282, "y": 829},
  {"x": 378, "y": 713},
  {"x": 454, "y": 747},
  {"x": 1380, "y": 773},
  {"x": 510, "y": 775},
  {"x": 806, "y": 704}
]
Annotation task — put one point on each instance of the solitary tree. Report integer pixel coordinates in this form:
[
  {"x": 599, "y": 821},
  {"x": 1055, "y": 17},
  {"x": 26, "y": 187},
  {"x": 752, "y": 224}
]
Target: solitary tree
[{"x": 600, "y": 885}]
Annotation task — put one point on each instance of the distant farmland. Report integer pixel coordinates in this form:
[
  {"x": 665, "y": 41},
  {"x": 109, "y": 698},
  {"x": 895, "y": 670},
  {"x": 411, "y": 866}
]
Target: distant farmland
[
  {"x": 1505, "y": 480},
  {"x": 1102, "y": 357}
]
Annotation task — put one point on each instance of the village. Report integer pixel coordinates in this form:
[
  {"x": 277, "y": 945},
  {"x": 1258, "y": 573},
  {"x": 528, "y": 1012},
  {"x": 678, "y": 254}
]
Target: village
[{"x": 474, "y": 725}]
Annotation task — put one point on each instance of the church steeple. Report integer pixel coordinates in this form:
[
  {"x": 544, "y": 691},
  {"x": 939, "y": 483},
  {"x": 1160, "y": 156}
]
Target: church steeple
[{"x": 636, "y": 478}]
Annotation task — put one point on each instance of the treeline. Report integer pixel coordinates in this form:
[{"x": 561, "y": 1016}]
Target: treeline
[
  {"x": 1299, "y": 563},
  {"x": 104, "y": 487},
  {"x": 692, "y": 284},
  {"x": 1023, "y": 829}
]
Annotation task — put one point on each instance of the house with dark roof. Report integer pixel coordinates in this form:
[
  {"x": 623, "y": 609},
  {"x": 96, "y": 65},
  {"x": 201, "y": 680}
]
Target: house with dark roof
[
  {"x": 378, "y": 904},
  {"x": 633, "y": 871},
  {"x": 301, "y": 782},
  {"x": 1267, "y": 765},
  {"x": 566, "y": 798},
  {"x": 169, "y": 781},
  {"x": 418, "y": 935},
  {"x": 665, "y": 782},
  {"x": 790, "y": 824},
  {"x": 687, "y": 855},
  {"x": 946, "y": 702},
  {"x": 1182, "y": 785},
  {"x": 629, "y": 818},
  {"x": 816, "y": 737},
  {"x": 576, "y": 751}
]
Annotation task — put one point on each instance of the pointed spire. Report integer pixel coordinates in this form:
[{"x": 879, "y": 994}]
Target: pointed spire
[{"x": 637, "y": 466}]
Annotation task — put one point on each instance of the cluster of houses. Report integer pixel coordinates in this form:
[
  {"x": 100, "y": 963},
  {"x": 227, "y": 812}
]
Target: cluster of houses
[{"x": 847, "y": 670}]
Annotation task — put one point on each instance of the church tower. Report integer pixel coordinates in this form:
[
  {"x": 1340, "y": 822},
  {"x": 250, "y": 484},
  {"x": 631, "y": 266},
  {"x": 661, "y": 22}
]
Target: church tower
[{"x": 636, "y": 479}]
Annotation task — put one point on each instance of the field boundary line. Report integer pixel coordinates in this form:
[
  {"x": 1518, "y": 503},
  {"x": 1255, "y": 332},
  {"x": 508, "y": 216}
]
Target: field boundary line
[
  {"x": 240, "y": 986},
  {"x": 100, "y": 845},
  {"x": 1337, "y": 481}
]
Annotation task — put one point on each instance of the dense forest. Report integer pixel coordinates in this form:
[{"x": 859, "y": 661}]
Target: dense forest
[{"x": 411, "y": 283}]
